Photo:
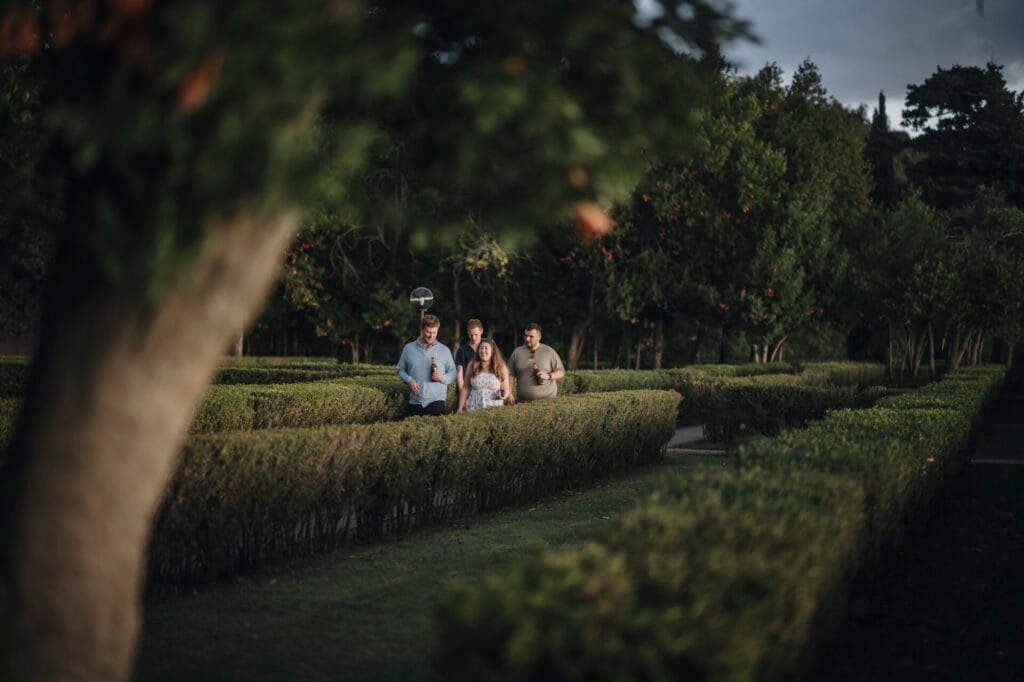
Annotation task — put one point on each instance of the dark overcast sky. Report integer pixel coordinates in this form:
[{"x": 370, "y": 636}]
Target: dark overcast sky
[{"x": 863, "y": 46}]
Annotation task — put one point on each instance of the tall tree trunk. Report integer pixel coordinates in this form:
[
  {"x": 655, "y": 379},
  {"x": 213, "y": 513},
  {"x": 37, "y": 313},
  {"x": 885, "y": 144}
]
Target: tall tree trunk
[
  {"x": 579, "y": 331},
  {"x": 457, "y": 300},
  {"x": 625, "y": 348},
  {"x": 920, "y": 340},
  {"x": 777, "y": 350},
  {"x": 597, "y": 346},
  {"x": 890, "y": 356},
  {"x": 639, "y": 347},
  {"x": 723, "y": 346},
  {"x": 979, "y": 345},
  {"x": 931, "y": 351},
  {"x": 1009, "y": 355},
  {"x": 113, "y": 389},
  {"x": 576, "y": 344},
  {"x": 659, "y": 341},
  {"x": 238, "y": 347},
  {"x": 960, "y": 349}
]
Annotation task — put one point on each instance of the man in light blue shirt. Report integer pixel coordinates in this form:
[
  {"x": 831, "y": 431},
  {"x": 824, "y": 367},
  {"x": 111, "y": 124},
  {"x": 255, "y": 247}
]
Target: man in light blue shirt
[{"x": 427, "y": 367}]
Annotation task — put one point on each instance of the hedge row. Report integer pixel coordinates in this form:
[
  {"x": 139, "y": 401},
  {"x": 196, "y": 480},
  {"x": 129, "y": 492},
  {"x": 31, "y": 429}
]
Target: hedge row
[
  {"x": 8, "y": 415},
  {"x": 246, "y": 407},
  {"x": 732, "y": 408},
  {"x": 13, "y": 376},
  {"x": 300, "y": 362},
  {"x": 720, "y": 575},
  {"x": 243, "y": 499},
  {"x": 296, "y": 374},
  {"x": 14, "y": 371}
]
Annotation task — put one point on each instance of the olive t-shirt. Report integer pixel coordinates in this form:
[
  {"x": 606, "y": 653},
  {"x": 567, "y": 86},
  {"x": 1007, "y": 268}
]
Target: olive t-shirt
[{"x": 520, "y": 364}]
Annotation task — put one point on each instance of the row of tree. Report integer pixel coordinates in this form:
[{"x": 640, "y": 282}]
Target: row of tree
[{"x": 790, "y": 222}]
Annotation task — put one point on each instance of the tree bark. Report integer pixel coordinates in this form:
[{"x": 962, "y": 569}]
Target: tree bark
[
  {"x": 931, "y": 351},
  {"x": 576, "y": 344},
  {"x": 112, "y": 392},
  {"x": 238, "y": 346},
  {"x": 979, "y": 344},
  {"x": 659, "y": 341},
  {"x": 959, "y": 349},
  {"x": 890, "y": 359},
  {"x": 777, "y": 350},
  {"x": 1009, "y": 355}
]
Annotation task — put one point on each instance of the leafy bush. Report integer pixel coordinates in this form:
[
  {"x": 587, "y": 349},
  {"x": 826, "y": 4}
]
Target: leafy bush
[
  {"x": 721, "y": 575},
  {"x": 836, "y": 373},
  {"x": 298, "y": 362},
  {"x": 715, "y": 575},
  {"x": 732, "y": 407},
  {"x": 294, "y": 375},
  {"x": 8, "y": 416},
  {"x": 13, "y": 376},
  {"x": 242, "y": 499}
]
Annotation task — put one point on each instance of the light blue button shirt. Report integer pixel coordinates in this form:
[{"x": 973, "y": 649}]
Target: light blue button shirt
[{"x": 415, "y": 364}]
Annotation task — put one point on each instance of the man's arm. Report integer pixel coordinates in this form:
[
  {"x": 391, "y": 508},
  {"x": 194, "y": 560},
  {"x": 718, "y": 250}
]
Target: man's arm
[
  {"x": 557, "y": 370},
  {"x": 450, "y": 374},
  {"x": 402, "y": 364}
]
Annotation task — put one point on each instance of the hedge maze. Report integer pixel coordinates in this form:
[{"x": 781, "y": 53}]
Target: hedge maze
[{"x": 733, "y": 573}]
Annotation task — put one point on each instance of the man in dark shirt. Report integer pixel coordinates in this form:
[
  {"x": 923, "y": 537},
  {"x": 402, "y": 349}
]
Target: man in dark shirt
[{"x": 467, "y": 351}]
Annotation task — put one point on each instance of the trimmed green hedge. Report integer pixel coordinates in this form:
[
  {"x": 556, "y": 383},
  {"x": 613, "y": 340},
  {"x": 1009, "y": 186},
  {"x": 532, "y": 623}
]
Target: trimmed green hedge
[
  {"x": 842, "y": 373},
  {"x": 718, "y": 575},
  {"x": 245, "y": 407},
  {"x": 8, "y": 416},
  {"x": 240, "y": 500},
  {"x": 725, "y": 575},
  {"x": 299, "y": 362},
  {"x": 294, "y": 375},
  {"x": 13, "y": 375},
  {"x": 733, "y": 407}
]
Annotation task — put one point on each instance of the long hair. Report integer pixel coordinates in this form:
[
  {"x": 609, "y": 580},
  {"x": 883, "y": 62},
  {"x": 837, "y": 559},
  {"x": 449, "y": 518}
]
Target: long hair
[{"x": 498, "y": 366}]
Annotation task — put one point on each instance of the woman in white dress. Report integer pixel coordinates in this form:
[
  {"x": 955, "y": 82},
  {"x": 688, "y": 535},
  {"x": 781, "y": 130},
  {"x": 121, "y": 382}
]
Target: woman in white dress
[{"x": 487, "y": 380}]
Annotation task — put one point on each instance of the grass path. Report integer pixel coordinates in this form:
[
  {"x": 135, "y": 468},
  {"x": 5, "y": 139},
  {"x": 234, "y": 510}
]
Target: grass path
[{"x": 365, "y": 613}]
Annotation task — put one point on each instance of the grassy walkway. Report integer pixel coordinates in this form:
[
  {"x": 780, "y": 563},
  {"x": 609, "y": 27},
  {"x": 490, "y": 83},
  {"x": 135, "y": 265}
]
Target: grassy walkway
[{"x": 365, "y": 613}]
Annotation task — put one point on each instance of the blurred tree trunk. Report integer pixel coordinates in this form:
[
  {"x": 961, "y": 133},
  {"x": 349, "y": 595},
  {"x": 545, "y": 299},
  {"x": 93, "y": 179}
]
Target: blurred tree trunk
[
  {"x": 107, "y": 408},
  {"x": 777, "y": 351},
  {"x": 238, "y": 347},
  {"x": 931, "y": 351},
  {"x": 659, "y": 341}
]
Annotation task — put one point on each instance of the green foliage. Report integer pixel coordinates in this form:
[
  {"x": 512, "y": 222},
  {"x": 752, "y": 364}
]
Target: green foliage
[
  {"x": 13, "y": 376},
  {"x": 243, "y": 499},
  {"x": 292, "y": 374},
  {"x": 972, "y": 135},
  {"x": 8, "y": 416},
  {"x": 730, "y": 575},
  {"x": 716, "y": 575}
]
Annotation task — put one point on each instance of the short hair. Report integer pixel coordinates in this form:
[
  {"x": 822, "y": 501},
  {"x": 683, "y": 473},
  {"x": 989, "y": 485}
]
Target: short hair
[
  {"x": 534, "y": 326},
  {"x": 429, "y": 322},
  {"x": 475, "y": 324}
]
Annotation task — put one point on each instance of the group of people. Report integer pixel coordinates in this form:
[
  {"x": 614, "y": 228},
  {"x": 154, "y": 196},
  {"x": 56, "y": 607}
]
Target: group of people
[{"x": 479, "y": 369}]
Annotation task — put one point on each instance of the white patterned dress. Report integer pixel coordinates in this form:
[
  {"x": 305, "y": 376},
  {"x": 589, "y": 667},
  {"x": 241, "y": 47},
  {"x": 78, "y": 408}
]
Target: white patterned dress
[{"x": 483, "y": 392}]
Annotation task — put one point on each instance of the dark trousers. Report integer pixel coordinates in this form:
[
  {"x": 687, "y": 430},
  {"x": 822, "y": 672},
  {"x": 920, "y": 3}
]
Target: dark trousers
[{"x": 434, "y": 409}]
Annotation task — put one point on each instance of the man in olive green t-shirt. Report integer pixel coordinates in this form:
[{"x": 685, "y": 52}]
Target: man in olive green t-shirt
[{"x": 535, "y": 366}]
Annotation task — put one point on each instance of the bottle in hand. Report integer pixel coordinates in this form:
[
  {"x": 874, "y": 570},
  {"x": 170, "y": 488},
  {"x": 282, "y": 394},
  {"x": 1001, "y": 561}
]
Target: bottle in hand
[
  {"x": 433, "y": 368},
  {"x": 536, "y": 374}
]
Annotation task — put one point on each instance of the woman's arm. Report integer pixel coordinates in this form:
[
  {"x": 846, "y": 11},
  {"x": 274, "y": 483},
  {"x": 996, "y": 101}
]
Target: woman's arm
[
  {"x": 506, "y": 385},
  {"x": 463, "y": 395}
]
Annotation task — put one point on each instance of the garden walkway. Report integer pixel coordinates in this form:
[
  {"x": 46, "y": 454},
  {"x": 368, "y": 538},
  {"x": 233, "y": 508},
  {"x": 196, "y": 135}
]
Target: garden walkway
[
  {"x": 365, "y": 613},
  {"x": 952, "y": 606}
]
